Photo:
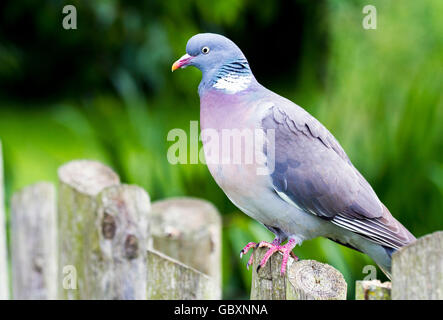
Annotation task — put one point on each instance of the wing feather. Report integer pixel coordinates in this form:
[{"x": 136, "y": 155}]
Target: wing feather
[{"x": 313, "y": 172}]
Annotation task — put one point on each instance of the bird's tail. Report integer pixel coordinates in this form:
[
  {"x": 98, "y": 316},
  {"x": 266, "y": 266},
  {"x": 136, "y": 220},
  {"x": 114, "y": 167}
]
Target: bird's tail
[
  {"x": 403, "y": 233},
  {"x": 386, "y": 272}
]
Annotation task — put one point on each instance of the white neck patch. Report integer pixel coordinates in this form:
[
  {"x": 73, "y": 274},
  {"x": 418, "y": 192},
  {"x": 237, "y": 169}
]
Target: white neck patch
[{"x": 233, "y": 83}]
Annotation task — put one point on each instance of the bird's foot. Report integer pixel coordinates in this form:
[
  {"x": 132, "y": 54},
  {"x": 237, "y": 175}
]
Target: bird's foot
[
  {"x": 286, "y": 249},
  {"x": 273, "y": 246},
  {"x": 256, "y": 245}
]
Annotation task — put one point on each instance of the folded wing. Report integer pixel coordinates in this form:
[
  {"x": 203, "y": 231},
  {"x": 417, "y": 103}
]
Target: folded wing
[{"x": 313, "y": 172}]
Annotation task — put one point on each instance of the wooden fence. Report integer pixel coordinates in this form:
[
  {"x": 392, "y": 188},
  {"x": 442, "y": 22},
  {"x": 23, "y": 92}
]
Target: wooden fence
[{"x": 93, "y": 237}]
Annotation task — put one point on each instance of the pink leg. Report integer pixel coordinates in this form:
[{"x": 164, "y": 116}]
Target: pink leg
[
  {"x": 286, "y": 255},
  {"x": 285, "y": 249}
]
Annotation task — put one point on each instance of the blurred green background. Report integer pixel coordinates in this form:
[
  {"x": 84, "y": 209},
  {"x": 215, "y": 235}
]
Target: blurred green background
[{"x": 105, "y": 91}]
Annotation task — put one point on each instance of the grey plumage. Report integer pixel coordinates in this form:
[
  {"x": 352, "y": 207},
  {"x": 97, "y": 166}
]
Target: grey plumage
[{"x": 319, "y": 177}]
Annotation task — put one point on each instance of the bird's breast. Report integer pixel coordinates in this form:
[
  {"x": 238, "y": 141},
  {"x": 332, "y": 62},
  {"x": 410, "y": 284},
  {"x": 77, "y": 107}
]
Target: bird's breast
[{"x": 233, "y": 142}]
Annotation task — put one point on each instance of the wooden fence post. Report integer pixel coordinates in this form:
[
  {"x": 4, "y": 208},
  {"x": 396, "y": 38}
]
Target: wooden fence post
[
  {"x": 123, "y": 221},
  {"x": 104, "y": 240},
  {"x": 303, "y": 280},
  {"x": 33, "y": 242},
  {"x": 4, "y": 279},
  {"x": 189, "y": 230},
  {"x": 169, "y": 279},
  {"x": 372, "y": 290},
  {"x": 417, "y": 269},
  {"x": 78, "y": 251}
]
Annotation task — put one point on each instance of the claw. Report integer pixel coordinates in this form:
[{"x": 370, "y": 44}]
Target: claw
[{"x": 245, "y": 250}]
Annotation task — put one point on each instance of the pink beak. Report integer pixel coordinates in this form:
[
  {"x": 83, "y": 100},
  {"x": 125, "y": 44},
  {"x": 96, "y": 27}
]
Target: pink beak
[{"x": 182, "y": 62}]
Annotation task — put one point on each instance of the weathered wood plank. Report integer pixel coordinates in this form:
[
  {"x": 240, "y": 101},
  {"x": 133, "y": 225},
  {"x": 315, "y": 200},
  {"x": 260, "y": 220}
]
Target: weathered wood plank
[
  {"x": 372, "y": 290},
  {"x": 417, "y": 269},
  {"x": 80, "y": 182},
  {"x": 268, "y": 284},
  {"x": 4, "y": 279},
  {"x": 303, "y": 280},
  {"x": 33, "y": 242},
  {"x": 189, "y": 230},
  {"x": 169, "y": 279},
  {"x": 123, "y": 221}
]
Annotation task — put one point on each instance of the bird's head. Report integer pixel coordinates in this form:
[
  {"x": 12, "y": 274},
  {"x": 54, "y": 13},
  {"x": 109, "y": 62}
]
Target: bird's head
[
  {"x": 216, "y": 56},
  {"x": 208, "y": 51}
]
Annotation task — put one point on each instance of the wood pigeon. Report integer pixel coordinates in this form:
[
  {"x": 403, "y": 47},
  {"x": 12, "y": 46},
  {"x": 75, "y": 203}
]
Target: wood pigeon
[{"x": 310, "y": 188}]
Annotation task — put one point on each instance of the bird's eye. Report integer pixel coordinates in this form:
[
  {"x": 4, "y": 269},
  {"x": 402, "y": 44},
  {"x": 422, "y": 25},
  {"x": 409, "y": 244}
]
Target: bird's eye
[{"x": 205, "y": 50}]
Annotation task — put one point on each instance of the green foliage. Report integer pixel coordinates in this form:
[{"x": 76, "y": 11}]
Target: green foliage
[{"x": 105, "y": 91}]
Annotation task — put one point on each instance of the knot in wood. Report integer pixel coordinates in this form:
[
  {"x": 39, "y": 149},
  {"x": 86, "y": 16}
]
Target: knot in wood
[
  {"x": 131, "y": 247},
  {"x": 37, "y": 264},
  {"x": 172, "y": 232},
  {"x": 108, "y": 226}
]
